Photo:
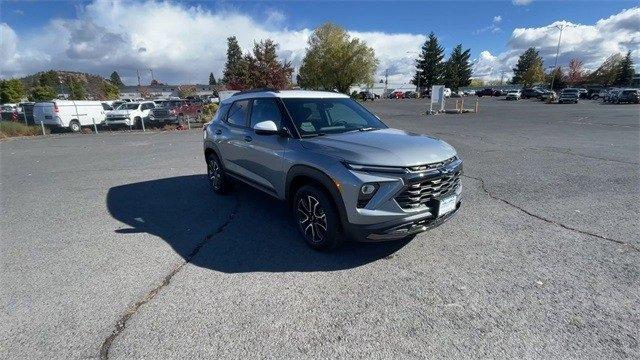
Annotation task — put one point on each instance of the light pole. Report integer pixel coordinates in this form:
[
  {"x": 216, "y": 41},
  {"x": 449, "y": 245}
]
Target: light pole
[{"x": 555, "y": 66}]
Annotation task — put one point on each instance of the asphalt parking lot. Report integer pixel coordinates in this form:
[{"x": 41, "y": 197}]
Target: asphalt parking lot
[{"x": 114, "y": 246}]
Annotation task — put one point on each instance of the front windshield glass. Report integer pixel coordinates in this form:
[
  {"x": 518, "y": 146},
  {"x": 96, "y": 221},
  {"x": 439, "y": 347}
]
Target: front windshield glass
[
  {"x": 128, "y": 106},
  {"x": 314, "y": 117}
]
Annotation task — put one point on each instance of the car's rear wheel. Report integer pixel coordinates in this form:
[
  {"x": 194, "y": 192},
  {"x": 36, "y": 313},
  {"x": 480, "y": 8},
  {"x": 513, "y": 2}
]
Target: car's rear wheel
[
  {"x": 316, "y": 218},
  {"x": 74, "y": 126},
  {"x": 215, "y": 173}
]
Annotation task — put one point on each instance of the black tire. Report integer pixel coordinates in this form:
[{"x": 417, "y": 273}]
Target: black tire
[
  {"x": 74, "y": 126},
  {"x": 317, "y": 218},
  {"x": 218, "y": 180},
  {"x": 137, "y": 123}
]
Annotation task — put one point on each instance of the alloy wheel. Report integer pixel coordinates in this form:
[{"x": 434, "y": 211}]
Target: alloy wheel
[
  {"x": 312, "y": 219},
  {"x": 214, "y": 173}
]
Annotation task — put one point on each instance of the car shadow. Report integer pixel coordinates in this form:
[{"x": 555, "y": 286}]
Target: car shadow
[{"x": 246, "y": 231}]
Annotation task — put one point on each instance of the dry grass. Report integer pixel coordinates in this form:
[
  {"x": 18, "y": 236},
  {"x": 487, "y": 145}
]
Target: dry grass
[{"x": 12, "y": 129}]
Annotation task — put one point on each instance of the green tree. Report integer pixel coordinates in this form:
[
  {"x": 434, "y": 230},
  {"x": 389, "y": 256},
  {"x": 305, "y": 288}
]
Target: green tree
[
  {"x": 49, "y": 78},
  {"x": 335, "y": 61},
  {"x": 11, "y": 91},
  {"x": 111, "y": 90},
  {"x": 475, "y": 82},
  {"x": 115, "y": 79},
  {"x": 558, "y": 77},
  {"x": 457, "y": 69},
  {"x": 429, "y": 65},
  {"x": 76, "y": 89},
  {"x": 212, "y": 80},
  {"x": 607, "y": 73},
  {"x": 528, "y": 70},
  {"x": 42, "y": 93},
  {"x": 235, "y": 68},
  {"x": 626, "y": 71}
]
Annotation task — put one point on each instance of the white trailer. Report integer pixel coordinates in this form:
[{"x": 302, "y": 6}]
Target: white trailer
[{"x": 70, "y": 114}]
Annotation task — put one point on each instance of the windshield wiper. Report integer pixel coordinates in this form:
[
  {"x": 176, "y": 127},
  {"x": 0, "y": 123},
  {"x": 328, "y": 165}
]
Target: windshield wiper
[
  {"x": 367, "y": 128},
  {"x": 312, "y": 135}
]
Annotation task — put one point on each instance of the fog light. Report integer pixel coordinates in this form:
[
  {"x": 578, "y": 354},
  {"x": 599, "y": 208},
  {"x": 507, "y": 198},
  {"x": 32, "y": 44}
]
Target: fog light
[{"x": 367, "y": 189}]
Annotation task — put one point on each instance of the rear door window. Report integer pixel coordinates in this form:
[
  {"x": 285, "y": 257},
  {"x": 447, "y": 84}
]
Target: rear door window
[{"x": 238, "y": 113}]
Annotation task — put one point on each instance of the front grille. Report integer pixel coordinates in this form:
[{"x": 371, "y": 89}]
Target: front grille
[
  {"x": 423, "y": 193},
  {"x": 420, "y": 168}
]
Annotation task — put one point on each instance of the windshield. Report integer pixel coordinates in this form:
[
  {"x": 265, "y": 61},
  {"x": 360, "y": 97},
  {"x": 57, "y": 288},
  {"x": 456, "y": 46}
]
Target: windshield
[
  {"x": 314, "y": 117},
  {"x": 128, "y": 106}
]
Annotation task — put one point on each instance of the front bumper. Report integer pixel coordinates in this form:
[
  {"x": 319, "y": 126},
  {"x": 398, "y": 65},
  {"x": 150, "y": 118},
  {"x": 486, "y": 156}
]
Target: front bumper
[{"x": 398, "y": 229}]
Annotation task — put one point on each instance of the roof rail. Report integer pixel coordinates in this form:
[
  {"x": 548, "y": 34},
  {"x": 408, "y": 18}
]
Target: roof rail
[{"x": 255, "y": 91}]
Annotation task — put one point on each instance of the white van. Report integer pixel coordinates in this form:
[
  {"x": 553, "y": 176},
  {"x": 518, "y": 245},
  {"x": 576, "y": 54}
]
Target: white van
[{"x": 70, "y": 114}]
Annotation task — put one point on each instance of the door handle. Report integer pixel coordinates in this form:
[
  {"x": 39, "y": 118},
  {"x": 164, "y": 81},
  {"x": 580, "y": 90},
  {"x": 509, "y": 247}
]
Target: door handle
[
  {"x": 218, "y": 132},
  {"x": 247, "y": 138}
]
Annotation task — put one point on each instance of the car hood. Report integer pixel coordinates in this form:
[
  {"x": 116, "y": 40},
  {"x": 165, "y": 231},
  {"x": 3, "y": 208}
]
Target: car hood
[
  {"x": 118, "y": 112},
  {"x": 385, "y": 147}
]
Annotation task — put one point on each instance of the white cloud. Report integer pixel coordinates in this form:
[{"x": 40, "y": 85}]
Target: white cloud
[
  {"x": 589, "y": 43},
  {"x": 180, "y": 43},
  {"x": 521, "y": 2},
  {"x": 497, "y": 19},
  {"x": 494, "y": 28}
]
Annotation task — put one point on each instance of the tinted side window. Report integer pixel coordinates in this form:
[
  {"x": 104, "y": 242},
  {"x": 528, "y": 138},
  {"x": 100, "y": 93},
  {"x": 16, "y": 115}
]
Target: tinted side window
[
  {"x": 238, "y": 113},
  {"x": 106, "y": 106},
  {"x": 221, "y": 113},
  {"x": 264, "y": 110}
]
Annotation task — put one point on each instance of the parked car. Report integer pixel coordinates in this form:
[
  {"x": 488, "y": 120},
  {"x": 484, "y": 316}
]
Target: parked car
[
  {"x": 69, "y": 114},
  {"x": 26, "y": 112},
  {"x": 628, "y": 96},
  {"x": 130, "y": 114},
  {"x": 528, "y": 93},
  {"x": 469, "y": 92},
  {"x": 398, "y": 94},
  {"x": 514, "y": 95},
  {"x": 598, "y": 95},
  {"x": 583, "y": 93},
  {"x": 569, "y": 95},
  {"x": 410, "y": 95},
  {"x": 367, "y": 95},
  {"x": 447, "y": 92},
  {"x": 611, "y": 96},
  {"x": 487, "y": 92},
  {"x": 547, "y": 95},
  {"x": 345, "y": 174}
]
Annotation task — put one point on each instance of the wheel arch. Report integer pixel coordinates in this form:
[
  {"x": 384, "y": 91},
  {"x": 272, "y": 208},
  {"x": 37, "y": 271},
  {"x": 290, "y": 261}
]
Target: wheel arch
[{"x": 300, "y": 175}]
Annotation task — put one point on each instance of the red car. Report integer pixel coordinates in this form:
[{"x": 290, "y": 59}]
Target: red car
[
  {"x": 396, "y": 95},
  {"x": 175, "y": 111}
]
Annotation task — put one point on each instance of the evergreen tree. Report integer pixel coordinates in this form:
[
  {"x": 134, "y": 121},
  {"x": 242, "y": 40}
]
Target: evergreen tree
[
  {"x": 264, "y": 70},
  {"x": 212, "y": 80},
  {"x": 115, "y": 79},
  {"x": 607, "y": 73},
  {"x": 457, "y": 69},
  {"x": 234, "y": 68},
  {"x": 558, "y": 77},
  {"x": 626, "y": 71},
  {"x": 76, "y": 89},
  {"x": 429, "y": 66},
  {"x": 528, "y": 70}
]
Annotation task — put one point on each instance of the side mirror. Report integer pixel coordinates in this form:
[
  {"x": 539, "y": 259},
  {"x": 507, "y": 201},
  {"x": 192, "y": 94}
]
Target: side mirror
[{"x": 266, "y": 128}]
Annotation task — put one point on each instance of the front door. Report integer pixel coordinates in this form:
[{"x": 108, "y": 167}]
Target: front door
[{"x": 264, "y": 154}]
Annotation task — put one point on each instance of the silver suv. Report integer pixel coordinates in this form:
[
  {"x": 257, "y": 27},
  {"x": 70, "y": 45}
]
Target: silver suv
[{"x": 344, "y": 173}]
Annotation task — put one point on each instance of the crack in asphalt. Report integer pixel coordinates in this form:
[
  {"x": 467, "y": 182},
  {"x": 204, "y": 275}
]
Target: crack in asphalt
[
  {"x": 550, "y": 221},
  {"x": 132, "y": 310}
]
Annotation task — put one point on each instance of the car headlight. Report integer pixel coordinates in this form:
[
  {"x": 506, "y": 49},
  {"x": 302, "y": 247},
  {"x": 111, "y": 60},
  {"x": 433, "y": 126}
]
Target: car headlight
[{"x": 375, "y": 168}]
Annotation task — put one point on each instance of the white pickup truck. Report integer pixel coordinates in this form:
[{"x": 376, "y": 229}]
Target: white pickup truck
[
  {"x": 130, "y": 114},
  {"x": 69, "y": 114}
]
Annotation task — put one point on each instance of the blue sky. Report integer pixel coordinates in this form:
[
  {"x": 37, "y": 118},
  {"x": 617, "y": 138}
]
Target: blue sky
[{"x": 486, "y": 27}]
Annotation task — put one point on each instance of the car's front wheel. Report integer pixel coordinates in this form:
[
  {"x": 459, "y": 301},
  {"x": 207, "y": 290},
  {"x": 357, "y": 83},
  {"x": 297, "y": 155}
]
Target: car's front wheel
[
  {"x": 316, "y": 218},
  {"x": 215, "y": 173}
]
